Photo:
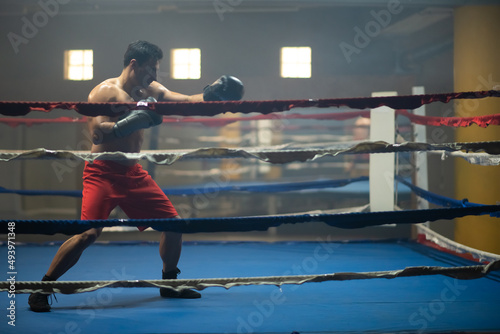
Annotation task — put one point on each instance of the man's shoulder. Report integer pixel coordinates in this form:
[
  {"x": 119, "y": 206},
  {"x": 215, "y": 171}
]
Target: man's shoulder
[
  {"x": 106, "y": 91},
  {"x": 109, "y": 85}
]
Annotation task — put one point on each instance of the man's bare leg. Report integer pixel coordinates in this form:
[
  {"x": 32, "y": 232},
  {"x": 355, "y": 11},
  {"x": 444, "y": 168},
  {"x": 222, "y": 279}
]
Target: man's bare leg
[
  {"x": 66, "y": 257},
  {"x": 170, "y": 252},
  {"x": 69, "y": 253}
]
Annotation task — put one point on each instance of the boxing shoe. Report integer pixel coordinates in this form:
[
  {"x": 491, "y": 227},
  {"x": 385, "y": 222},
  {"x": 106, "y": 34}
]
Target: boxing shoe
[
  {"x": 171, "y": 293},
  {"x": 39, "y": 302}
]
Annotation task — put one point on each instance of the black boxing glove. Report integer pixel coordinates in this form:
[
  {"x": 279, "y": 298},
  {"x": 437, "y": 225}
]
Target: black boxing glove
[
  {"x": 137, "y": 119},
  {"x": 226, "y": 88}
]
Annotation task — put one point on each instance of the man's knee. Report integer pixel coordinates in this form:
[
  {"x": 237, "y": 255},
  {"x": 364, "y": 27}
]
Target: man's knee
[
  {"x": 90, "y": 236},
  {"x": 172, "y": 236}
]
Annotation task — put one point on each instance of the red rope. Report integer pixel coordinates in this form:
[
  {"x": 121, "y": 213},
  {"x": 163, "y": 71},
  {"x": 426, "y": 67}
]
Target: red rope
[
  {"x": 245, "y": 107},
  {"x": 482, "y": 121},
  {"x": 13, "y": 122}
]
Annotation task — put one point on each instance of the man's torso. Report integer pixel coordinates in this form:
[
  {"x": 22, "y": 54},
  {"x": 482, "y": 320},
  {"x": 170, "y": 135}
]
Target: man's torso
[{"x": 114, "y": 93}]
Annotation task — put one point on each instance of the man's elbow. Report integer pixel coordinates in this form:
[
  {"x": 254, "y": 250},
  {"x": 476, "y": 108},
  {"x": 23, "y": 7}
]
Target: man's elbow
[
  {"x": 103, "y": 133},
  {"x": 96, "y": 139},
  {"x": 99, "y": 137}
]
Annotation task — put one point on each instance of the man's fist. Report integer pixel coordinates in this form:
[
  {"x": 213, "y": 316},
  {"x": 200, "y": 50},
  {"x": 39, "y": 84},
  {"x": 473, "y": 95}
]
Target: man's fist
[
  {"x": 137, "y": 119},
  {"x": 226, "y": 88}
]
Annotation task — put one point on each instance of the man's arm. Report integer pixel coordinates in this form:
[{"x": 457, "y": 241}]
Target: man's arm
[
  {"x": 225, "y": 88},
  {"x": 169, "y": 96}
]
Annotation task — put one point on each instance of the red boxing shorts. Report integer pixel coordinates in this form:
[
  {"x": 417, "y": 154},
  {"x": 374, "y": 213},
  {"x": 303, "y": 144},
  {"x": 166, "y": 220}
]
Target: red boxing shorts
[{"x": 107, "y": 184}]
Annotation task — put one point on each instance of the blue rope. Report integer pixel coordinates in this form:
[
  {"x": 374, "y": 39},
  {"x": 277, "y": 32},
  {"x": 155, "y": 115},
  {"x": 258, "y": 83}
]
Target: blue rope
[
  {"x": 67, "y": 193},
  {"x": 207, "y": 188},
  {"x": 435, "y": 198},
  {"x": 265, "y": 188},
  {"x": 244, "y": 224}
]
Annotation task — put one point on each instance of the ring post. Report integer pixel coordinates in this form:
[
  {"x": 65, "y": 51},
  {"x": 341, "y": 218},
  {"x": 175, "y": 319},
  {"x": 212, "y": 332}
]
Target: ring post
[{"x": 382, "y": 128}]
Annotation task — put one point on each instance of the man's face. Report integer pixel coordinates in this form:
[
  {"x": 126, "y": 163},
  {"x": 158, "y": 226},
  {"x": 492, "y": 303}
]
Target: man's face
[{"x": 146, "y": 73}]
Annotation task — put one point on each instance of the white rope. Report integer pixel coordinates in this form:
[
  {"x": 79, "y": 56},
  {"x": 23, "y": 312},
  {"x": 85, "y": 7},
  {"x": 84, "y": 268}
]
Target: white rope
[
  {"x": 482, "y": 159},
  {"x": 276, "y": 154},
  {"x": 69, "y": 287},
  {"x": 456, "y": 247}
]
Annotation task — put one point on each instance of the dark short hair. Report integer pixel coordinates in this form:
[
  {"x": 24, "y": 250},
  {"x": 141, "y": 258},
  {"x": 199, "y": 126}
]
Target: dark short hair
[{"x": 141, "y": 51}]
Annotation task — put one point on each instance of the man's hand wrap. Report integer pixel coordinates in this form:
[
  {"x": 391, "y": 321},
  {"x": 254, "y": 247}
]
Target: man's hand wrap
[
  {"x": 226, "y": 88},
  {"x": 137, "y": 119}
]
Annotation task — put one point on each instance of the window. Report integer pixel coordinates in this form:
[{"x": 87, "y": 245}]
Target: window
[
  {"x": 78, "y": 64},
  {"x": 296, "y": 62},
  {"x": 186, "y": 63}
]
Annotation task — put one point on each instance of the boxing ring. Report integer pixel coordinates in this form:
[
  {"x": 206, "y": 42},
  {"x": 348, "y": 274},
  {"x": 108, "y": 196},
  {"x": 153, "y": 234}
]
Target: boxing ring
[{"x": 427, "y": 284}]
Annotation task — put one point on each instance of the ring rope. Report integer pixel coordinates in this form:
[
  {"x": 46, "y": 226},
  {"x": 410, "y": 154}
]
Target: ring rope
[
  {"x": 275, "y": 155},
  {"x": 251, "y": 223},
  {"x": 268, "y": 188},
  {"x": 482, "y": 159},
  {"x": 435, "y": 198},
  {"x": 429, "y": 238},
  {"x": 482, "y": 121},
  {"x": 69, "y": 287},
  {"x": 17, "y": 108},
  {"x": 276, "y": 187},
  {"x": 272, "y": 187},
  {"x": 197, "y": 190}
]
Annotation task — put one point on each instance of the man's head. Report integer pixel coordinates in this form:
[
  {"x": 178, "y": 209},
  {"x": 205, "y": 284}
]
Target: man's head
[
  {"x": 142, "y": 52},
  {"x": 143, "y": 58}
]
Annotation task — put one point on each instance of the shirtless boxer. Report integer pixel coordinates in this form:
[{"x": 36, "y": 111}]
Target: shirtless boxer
[{"x": 107, "y": 184}]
